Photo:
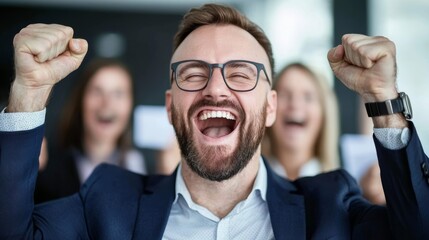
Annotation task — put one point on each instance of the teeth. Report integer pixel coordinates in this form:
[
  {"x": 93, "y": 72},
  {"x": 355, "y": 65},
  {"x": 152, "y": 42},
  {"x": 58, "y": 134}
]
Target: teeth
[{"x": 216, "y": 114}]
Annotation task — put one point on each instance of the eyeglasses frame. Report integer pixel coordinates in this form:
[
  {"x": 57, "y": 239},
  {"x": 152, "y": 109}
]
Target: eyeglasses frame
[{"x": 259, "y": 67}]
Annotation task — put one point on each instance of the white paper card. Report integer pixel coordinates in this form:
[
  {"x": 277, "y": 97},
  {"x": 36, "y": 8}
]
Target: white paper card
[
  {"x": 151, "y": 127},
  {"x": 358, "y": 152}
]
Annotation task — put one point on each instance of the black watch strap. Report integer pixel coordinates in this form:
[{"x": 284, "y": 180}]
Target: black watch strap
[{"x": 398, "y": 105}]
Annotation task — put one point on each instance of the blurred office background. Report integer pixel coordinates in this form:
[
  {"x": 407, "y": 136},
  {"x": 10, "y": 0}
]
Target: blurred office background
[{"x": 140, "y": 33}]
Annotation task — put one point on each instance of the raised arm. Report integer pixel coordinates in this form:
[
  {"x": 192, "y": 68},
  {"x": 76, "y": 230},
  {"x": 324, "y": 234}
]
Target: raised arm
[
  {"x": 44, "y": 54},
  {"x": 367, "y": 65}
]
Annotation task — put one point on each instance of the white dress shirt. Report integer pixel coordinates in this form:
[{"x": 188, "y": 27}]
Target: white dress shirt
[{"x": 250, "y": 218}]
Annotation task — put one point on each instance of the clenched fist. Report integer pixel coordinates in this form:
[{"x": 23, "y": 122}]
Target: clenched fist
[
  {"x": 44, "y": 54},
  {"x": 367, "y": 65}
]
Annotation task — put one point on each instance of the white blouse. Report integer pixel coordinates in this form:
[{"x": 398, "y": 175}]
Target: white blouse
[{"x": 310, "y": 168}]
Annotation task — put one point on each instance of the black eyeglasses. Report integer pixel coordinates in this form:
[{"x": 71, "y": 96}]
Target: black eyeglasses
[{"x": 239, "y": 75}]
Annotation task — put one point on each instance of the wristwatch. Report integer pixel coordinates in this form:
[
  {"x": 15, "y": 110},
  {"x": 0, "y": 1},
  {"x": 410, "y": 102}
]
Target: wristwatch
[{"x": 401, "y": 104}]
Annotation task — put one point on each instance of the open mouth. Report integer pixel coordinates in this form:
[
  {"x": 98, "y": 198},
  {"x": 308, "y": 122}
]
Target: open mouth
[
  {"x": 216, "y": 124},
  {"x": 106, "y": 119},
  {"x": 294, "y": 122}
]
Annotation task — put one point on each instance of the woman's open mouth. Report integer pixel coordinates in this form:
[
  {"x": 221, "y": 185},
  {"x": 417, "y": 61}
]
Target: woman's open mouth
[
  {"x": 294, "y": 122},
  {"x": 106, "y": 118}
]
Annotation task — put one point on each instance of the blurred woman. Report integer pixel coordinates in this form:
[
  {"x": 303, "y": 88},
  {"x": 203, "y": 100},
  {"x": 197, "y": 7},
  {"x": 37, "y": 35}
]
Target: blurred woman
[
  {"x": 168, "y": 158},
  {"x": 304, "y": 139},
  {"x": 372, "y": 188},
  {"x": 94, "y": 129}
]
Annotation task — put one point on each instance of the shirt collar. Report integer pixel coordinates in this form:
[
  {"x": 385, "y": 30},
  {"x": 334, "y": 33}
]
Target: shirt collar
[
  {"x": 260, "y": 184},
  {"x": 310, "y": 168}
]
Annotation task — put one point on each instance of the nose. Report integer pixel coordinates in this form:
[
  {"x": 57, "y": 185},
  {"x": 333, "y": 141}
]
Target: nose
[
  {"x": 106, "y": 100},
  {"x": 290, "y": 101},
  {"x": 216, "y": 88}
]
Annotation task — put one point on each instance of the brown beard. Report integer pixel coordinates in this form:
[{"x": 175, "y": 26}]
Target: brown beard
[{"x": 213, "y": 163}]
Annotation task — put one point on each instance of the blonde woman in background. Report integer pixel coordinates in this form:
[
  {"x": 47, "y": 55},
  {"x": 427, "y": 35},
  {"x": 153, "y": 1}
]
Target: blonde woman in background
[{"x": 304, "y": 139}]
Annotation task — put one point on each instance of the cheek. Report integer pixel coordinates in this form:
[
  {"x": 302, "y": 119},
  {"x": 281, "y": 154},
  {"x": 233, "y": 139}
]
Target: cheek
[
  {"x": 124, "y": 108},
  {"x": 182, "y": 103},
  {"x": 89, "y": 108},
  {"x": 179, "y": 117},
  {"x": 281, "y": 108},
  {"x": 281, "y": 111},
  {"x": 316, "y": 118},
  {"x": 89, "y": 103},
  {"x": 92, "y": 103}
]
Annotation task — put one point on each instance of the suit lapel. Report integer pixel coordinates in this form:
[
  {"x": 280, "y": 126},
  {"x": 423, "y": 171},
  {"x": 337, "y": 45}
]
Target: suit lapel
[
  {"x": 154, "y": 210},
  {"x": 286, "y": 208},
  {"x": 287, "y": 211}
]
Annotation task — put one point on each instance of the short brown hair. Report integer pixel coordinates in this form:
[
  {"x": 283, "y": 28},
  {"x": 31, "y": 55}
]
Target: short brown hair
[{"x": 218, "y": 14}]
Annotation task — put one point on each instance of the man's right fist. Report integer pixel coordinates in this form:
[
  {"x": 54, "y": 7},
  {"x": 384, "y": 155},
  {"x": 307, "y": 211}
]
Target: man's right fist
[{"x": 44, "y": 54}]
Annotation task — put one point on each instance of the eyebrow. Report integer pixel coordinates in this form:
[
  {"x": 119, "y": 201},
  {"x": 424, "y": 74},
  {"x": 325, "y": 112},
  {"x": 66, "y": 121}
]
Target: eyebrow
[
  {"x": 193, "y": 65},
  {"x": 241, "y": 64}
]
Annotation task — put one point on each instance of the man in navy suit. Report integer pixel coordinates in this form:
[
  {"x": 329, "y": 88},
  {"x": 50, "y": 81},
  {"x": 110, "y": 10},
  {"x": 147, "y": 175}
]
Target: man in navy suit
[{"x": 219, "y": 103}]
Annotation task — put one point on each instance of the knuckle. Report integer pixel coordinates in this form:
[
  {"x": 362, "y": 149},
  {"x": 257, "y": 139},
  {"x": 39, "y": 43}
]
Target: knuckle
[
  {"x": 20, "y": 37},
  {"x": 65, "y": 31},
  {"x": 69, "y": 30},
  {"x": 355, "y": 46},
  {"x": 392, "y": 46},
  {"x": 361, "y": 51},
  {"x": 382, "y": 38},
  {"x": 16, "y": 40},
  {"x": 46, "y": 45},
  {"x": 345, "y": 37},
  {"x": 35, "y": 25},
  {"x": 58, "y": 36}
]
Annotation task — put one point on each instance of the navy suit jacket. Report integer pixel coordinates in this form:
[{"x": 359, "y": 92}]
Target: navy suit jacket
[
  {"x": 117, "y": 204},
  {"x": 59, "y": 179}
]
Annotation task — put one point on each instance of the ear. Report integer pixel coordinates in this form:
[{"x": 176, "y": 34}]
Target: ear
[
  {"x": 271, "y": 108},
  {"x": 168, "y": 104}
]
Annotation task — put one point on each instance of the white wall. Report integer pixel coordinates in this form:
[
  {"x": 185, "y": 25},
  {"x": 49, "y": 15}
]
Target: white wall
[{"x": 406, "y": 22}]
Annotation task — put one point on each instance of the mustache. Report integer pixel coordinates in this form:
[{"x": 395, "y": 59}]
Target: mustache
[{"x": 210, "y": 103}]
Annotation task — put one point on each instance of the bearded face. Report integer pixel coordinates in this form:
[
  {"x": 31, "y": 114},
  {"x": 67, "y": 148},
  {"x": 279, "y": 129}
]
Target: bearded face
[
  {"x": 218, "y": 162},
  {"x": 219, "y": 129}
]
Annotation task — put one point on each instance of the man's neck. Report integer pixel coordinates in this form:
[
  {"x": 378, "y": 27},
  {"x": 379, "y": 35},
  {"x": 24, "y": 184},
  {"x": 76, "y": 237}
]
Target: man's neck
[{"x": 221, "y": 197}]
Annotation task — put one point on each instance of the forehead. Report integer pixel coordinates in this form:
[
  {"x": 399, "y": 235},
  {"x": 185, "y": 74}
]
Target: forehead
[
  {"x": 220, "y": 43},
  {"x": 111, "y": 76},
  {"x": 298, "y": 79}
]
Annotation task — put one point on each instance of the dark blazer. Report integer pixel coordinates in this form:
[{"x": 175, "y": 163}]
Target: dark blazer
[
  {"x": 59, "y": 179},
  {"x": 116, "y": 204}
]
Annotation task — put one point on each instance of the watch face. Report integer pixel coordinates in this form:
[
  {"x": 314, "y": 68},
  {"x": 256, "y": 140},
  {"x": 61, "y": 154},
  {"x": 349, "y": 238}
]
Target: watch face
[{"x": 408, "y": 111}]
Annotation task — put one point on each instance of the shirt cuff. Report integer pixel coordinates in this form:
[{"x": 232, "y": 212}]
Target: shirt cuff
[
  {"x": 393, "y": 138},
  {"x": 21, "y": 121}
]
